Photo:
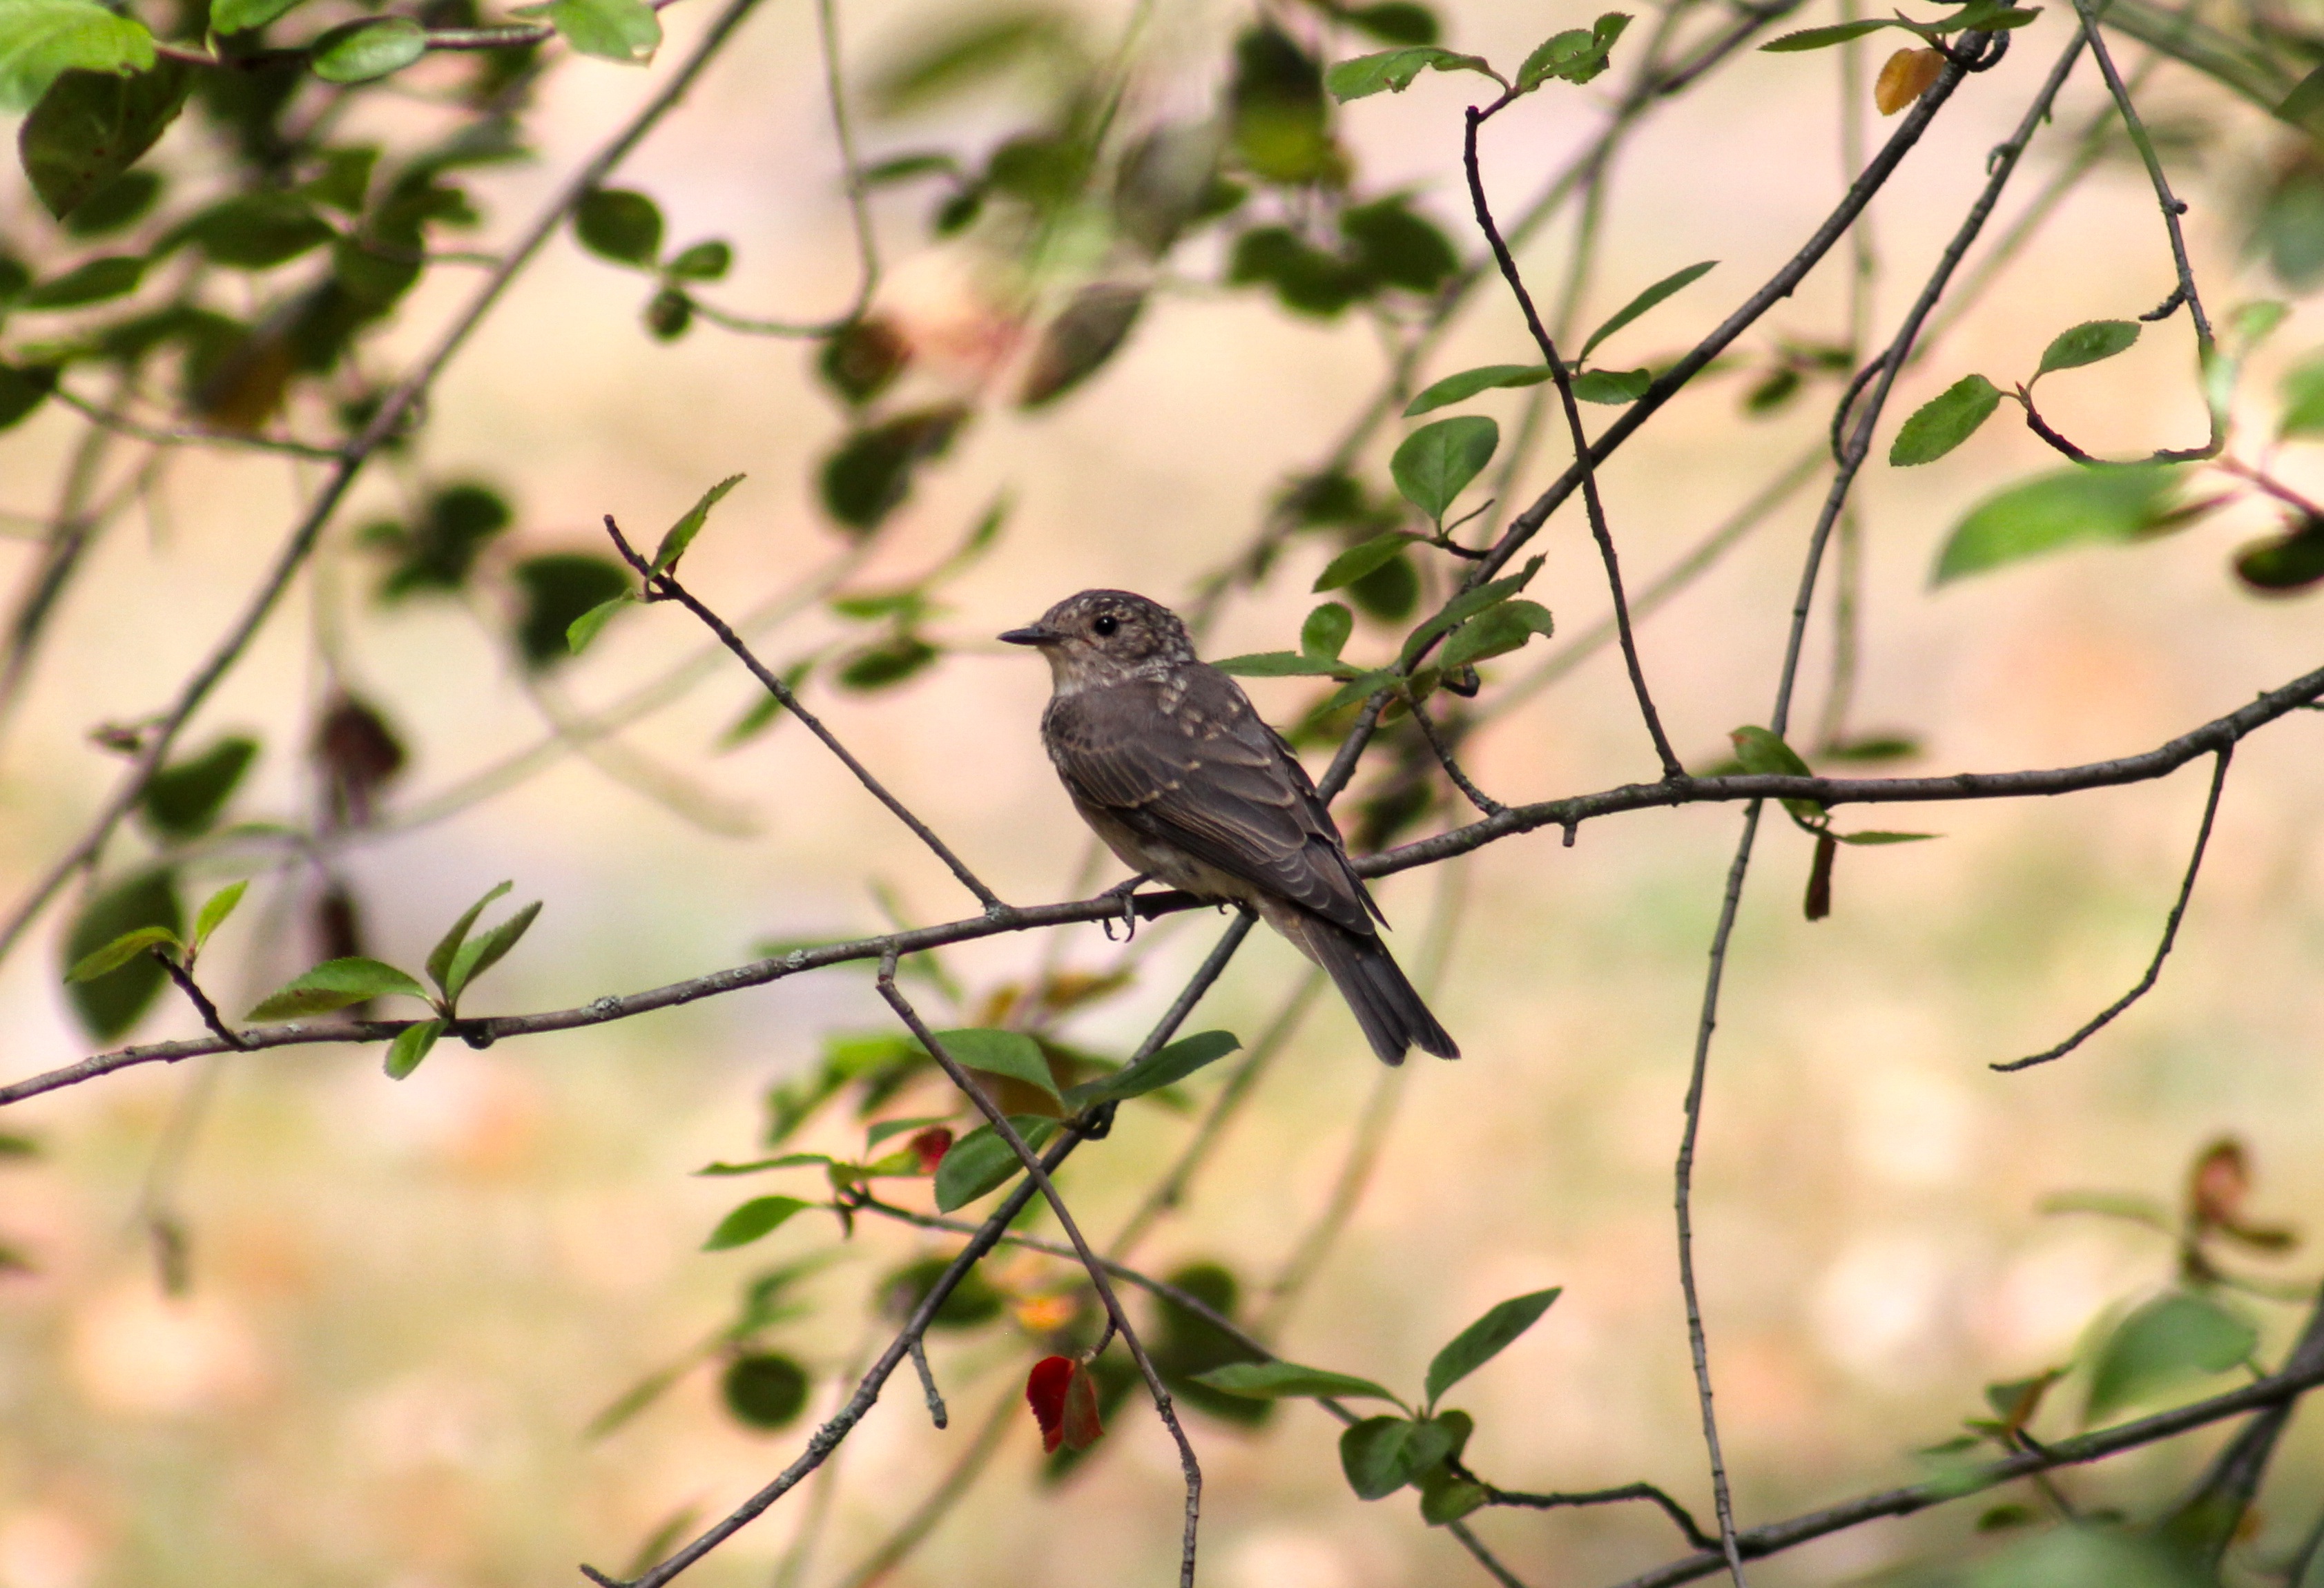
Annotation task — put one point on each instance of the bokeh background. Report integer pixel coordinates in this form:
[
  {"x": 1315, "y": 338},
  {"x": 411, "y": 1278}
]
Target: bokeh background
[{"x": 407, "y": 1301}]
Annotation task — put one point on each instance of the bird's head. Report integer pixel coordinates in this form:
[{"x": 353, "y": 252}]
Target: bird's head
[{"x": 1102, "y": 637}]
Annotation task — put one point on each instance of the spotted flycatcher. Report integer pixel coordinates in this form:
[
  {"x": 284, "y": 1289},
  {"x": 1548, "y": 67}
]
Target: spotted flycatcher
[{"x": 1169, "y": 763}]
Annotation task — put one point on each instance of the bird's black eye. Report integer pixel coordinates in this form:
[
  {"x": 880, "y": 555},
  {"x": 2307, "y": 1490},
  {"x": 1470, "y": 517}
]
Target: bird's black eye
[{"x": 1105, "y": 626}]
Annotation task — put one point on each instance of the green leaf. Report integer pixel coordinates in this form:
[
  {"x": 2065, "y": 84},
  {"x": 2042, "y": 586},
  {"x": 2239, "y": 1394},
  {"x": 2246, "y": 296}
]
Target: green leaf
[
  {"x": 359, "y": 51},
  {"x": 626, "y": 31},
  {"x": 40, "y": 40},
  {"x": 2161, "y": 1345},
  {"x": 584, "y": 629},
  {"x": 90, "y": 126},
  {"x": 2081, "y": 1554},
  {"x": 115, "y": 275},
  {"x": 1459, "y": 388},
  {"x": 411, "y": 1044},
  {"x": 981, "y": 1162},
  {"x": 1360, "y": 687},
  {"x": 764, "y": 1390},
  {"x": 561, "y": 589},
  {"x": 23, "y": 389},
  {"x": 1000, "y": 1053},
  {"x": 1091, "y": 328},
  {"x": 256, "y": 230},
  {"x": 1326, "y": 633},
  {"x": 869, "y": 475},
  {"x": 215, "y": 909},
  {"x": 704, "y": 261},
  {"x": 1611, "y": 386},
  {"x": 1436, "y": 462},
  {"x": 479, "y": 954},
  {"x": 1825, "y": 37},
  {"x": 1575, "y": 56},
  {"x": 1765, "y": 754},
  {"x": 2303, "y": 398},
  {"x": 109, "y": 1004},
  {"x": 2088, "y": 343},
  {"x": 789, "y": 1161},
  {"x": 2056, "y": 509},
  {"x": 1879, "y": 837},
  {"x": 1468, "y": 604},
  {"x": 1166, "y": 1068},
  {"x": 762, "y": 712},
  {"x": 1485, "y": 1339},
  {"x": 1275, "y": 1381},
  {"x": 886, "y": 663},
  {"x": 237, "y": 16},
  {"x": 1945, "y": 422},
  {"x": 183, "y": 800},
  {"x": 762, "y": 1216},
  {"x": 619, "y": 224},
  {"x": 1394, "y": 70},
  {"x": 1445, "y": 1498},
  {"x": 887, "y": 1128},
  {"x": 1278, "y": 664},
  {"x": 1496, "y": 632},
  {"x": 1644, "y": 301},
  {"x": 681, "y": 534},
  {"x": 120, "y": 952},
  {"x": 1379, "y": 1455},
  {"x": 334, "y": 984},
  {"x": 1398, "y": 247},
  {"x": 439, "y": 958},
  {"x": 1364, "y": 557},
  {"x": 1394, "y": 21}
]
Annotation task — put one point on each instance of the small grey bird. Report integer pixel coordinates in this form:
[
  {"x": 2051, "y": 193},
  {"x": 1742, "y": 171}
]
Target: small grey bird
[{"x": 1169, "y": 763}]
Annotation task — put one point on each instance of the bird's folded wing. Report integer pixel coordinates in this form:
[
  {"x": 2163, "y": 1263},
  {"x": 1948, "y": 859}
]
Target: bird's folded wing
[{"x": 1210, "y": 777}]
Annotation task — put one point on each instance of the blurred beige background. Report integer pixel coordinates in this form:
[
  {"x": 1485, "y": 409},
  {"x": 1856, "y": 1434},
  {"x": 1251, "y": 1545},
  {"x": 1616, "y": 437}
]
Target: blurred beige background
[{"x": 409, "y": 1299}]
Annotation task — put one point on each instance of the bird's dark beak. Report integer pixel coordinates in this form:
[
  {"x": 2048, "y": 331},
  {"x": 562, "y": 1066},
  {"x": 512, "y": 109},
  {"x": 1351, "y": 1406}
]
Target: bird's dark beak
[{"x": 1033, "y": 634}]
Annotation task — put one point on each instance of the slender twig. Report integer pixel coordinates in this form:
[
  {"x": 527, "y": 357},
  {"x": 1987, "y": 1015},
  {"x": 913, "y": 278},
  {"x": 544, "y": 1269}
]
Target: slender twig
[
  {"x": 937, "y": 1413},
  {"x": 826, "y": 1438},
  {"x": 1485, "y": 803},
  {"x": 661, "y": 584},
  {"x": 841, "y": 1422},
  {"x": 1118, "y": 1319},
  {"x": 1892, "y": 359},
  {"x": 201, "y": 1000},
  {"x": 1485, "y": 1557},
  {"x": 1564, "y": 380},
  {"x": 2143, "y": 767},
  {"x": 395, "y": 408},
  {"x": 1678, "y": 1514},
  {"x": 2105, "y": 1017},
  {"x": 2171, "y": 208},
  {"x": 494, "y": 38},
  {"x": 859, "y": 208},
  {"x": 163, "y": 436},
  {"x": 1698, "y": 1344},
  {"x": 1756, "y": 1543},
  {"x": 2207, "y": 1517},
  {"x": 1778, "y": 287}
]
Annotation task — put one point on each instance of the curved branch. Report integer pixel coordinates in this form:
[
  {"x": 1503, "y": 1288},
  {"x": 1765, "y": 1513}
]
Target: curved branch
[{"x": 2145, "y": 767}]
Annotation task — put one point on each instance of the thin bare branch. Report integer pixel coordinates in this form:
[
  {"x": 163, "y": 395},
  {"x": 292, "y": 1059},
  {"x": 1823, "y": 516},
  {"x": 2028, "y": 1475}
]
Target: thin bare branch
[
  {"x": 1117, "y": 1319},
  {"x": 1581, "y": 455},
  {"x": 2169, "y": 932},
  {"x": 662, "y": 585}
]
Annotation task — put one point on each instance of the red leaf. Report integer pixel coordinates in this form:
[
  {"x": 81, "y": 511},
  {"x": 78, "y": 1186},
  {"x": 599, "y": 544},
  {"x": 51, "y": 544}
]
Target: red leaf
[
  {"x": 929, "y": 1147},
  {"x": 1046, "y": 1389},
  {"x": 1082, "y": 1427},
  {"x": 2220, "y": 1181}
]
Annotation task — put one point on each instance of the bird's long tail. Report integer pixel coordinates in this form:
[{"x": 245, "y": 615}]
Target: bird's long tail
[{"x": 1392, "y": 1015}]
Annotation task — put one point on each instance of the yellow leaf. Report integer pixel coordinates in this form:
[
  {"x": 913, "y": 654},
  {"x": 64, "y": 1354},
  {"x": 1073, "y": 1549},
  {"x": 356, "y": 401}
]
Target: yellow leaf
[{"x": 1905, "y": 78}]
